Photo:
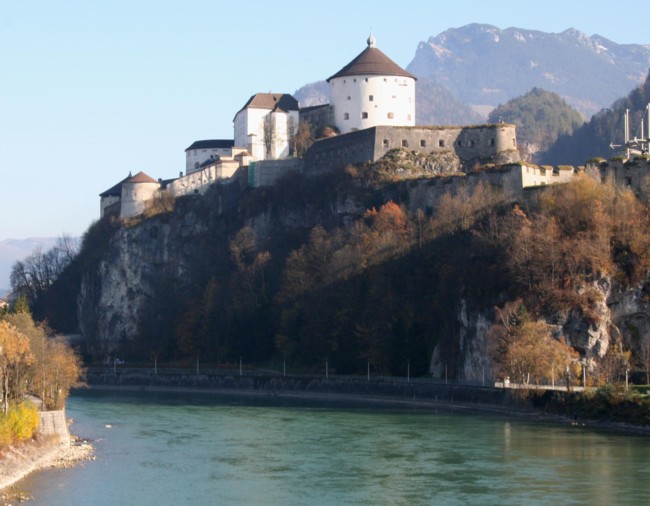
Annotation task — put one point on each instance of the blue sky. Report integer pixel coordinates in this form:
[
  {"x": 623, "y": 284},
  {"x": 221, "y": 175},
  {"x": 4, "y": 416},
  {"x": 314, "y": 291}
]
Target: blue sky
[{"x": 92, "y": 90}]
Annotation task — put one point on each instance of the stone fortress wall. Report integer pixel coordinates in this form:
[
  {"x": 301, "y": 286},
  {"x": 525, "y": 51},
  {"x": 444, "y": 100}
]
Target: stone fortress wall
[
  {"x": 633, "y": 173},
  {"x": 371, "y": 144}
]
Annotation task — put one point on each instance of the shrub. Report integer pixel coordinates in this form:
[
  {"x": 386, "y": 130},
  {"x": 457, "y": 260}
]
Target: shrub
[{"x": 20, "y": 424}]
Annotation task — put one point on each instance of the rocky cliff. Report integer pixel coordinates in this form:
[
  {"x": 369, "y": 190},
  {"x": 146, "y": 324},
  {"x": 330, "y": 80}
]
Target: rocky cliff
[{"x": 210, "y": 279}]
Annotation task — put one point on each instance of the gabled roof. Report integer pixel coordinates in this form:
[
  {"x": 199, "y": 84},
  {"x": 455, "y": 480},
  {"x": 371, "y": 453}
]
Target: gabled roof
[
  {"x": 372, "y": 62},
  {"x": 273, "y": 101},
  {"x": 212, "y": 144}
]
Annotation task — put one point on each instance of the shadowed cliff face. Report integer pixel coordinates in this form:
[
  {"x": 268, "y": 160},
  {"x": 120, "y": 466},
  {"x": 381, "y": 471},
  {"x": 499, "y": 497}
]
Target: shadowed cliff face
[{"x": 313, "y": 268}]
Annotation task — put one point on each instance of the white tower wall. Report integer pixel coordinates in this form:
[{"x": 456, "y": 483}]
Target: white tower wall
[{"x": 365, "y": 101}]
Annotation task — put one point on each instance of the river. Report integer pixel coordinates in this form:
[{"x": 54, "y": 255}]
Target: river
[{"x": 182, "y": 449}]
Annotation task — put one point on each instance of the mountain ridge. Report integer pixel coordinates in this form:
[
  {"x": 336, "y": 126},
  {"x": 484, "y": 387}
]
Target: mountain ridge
[{"x": 483, "y": 64}]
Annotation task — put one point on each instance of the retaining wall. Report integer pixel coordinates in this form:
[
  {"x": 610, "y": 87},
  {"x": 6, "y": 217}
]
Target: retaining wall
[
  {"x": 398, "y": 389},
  {"x": 54, "y": 425}
]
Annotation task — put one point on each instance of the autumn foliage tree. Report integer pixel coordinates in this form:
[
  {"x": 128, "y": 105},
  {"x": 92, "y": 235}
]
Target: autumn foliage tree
[
  {"x": 49, "y": 367},
  {"x": 524, "y": 349},
  {"x": 14, "y": 354}
]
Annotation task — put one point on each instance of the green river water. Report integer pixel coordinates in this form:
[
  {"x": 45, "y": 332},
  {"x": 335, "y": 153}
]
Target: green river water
[{"x": 182, "y": 449}]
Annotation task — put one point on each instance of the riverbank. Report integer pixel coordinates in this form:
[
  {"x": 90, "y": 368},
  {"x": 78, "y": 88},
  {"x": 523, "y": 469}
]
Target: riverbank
[
  {"x": 410, "y": 393},
  {"x": 42, "y": 453},
  {"x": 353, "y": 400}
]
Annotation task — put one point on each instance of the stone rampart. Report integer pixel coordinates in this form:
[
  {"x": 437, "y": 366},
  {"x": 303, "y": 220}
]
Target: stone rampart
[
  {"x": 336, "y": 152},
  {"x": 483, "y": 142},
  {"x": 267, "y": 172},
  {"x": 632, "y": 173}
]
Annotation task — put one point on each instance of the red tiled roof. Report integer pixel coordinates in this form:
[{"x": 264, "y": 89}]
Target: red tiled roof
[{"x": 141, "y": 177}]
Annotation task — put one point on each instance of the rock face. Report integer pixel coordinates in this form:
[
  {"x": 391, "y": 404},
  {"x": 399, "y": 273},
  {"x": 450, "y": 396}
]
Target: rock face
[
  {"x": 111, "y": 297},
  {"x": 614, "y": 314},
  {"x": 133, "y": 267}
]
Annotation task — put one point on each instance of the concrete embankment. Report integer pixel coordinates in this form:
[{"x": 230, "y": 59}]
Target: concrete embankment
[{"x": 386, "y": 391}]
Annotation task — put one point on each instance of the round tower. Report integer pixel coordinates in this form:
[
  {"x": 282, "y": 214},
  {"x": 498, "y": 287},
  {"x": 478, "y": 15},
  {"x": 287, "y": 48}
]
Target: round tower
[
  {"x": 372, "y": 90},
  {"x": 136, "y": 191}
]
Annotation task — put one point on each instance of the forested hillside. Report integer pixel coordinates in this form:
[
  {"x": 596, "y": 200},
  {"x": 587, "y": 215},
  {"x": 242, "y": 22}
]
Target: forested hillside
[
  {"x": 541, "y": 117},
  {"x": 281, "y": 277}
]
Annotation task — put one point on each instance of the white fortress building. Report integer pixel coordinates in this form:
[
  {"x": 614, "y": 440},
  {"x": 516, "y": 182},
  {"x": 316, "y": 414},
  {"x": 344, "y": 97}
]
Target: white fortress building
[
  {"x": 266, "y": 124},
  {"x": 209, "y": 149},
  {"x": 372, "y": 107},
  {"x": 371, "y": 90}
]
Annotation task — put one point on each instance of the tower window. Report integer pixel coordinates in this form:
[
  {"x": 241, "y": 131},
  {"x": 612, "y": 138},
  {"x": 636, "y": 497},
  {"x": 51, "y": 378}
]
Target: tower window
[
  {"x": 354, "y": 80},
  {"x": 423, "y": 143},
  {"x": 346, "y": 116},
  {"x": 491, "y": 142},
  {"x": 386, "y": 143},
  {"x": 371, "y": 98},
  {"x": 348, "y": 98},
  {"x": 441, "y": 143},
  {"x": 364, "y": 115},
  {"x": 405, "y": 143},
  {"x": 366, "y": 79},
  {"x": 390, "y": 115}
]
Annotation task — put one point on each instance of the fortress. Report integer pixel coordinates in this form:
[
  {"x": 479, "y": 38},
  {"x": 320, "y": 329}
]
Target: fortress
[{"x": 370, "y": 113}]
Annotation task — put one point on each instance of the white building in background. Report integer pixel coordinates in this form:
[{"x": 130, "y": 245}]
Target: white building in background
[
  {"x": 265, "y": 125},
  {"x": 372, "y": 90},
  {"x": 210, "y": 149}
]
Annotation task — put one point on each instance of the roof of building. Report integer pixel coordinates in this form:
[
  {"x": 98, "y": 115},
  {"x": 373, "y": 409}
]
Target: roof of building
[
  {"x": 141, "y": 177},
  {"x": 212, "y": 144},
  {"x": 372, "y": 62},
  {"x": 273, "y": 101},
  {"x": 313, "y": 107},
  {"x": 115, "y": 191},
  {"x": 165, "y": 182},
  {"x": 213, "y": 160}
]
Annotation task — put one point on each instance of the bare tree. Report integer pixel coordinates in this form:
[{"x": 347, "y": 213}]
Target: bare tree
[
  {"x": 644, "y": 356},
  {"x": 269, "y": 134},
  {"x": 32, "y": 276}
]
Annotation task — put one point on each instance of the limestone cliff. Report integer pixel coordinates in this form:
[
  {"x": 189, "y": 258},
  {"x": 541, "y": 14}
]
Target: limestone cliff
[
  {"x": 616, "y": 313},
  {"x": 162, "y": 281}
]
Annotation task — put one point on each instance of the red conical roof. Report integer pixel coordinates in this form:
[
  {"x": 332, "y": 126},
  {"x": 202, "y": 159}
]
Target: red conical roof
[{"x": 372, "y": 62}]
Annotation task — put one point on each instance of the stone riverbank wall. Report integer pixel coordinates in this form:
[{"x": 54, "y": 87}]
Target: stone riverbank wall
[
  {"x": 391, "y": 390},
  {"x": 54, "y": 425}
]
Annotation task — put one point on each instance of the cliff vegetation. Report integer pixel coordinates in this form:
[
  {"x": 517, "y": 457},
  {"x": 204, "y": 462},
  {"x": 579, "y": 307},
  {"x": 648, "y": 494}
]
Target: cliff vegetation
[{"x": 543, "y": 290}]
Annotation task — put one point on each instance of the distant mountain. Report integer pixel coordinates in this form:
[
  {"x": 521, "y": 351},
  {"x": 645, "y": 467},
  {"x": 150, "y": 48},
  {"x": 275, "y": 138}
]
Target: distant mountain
[
  {"x": 434, "y": 104},
  {"x": 541, "y": 117},
  {"x": 484, "y": 65},
  {"x": 593, "y": 138},
  {"x": 12, "y": 250},
  {"x": 313, "y": 94}
]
